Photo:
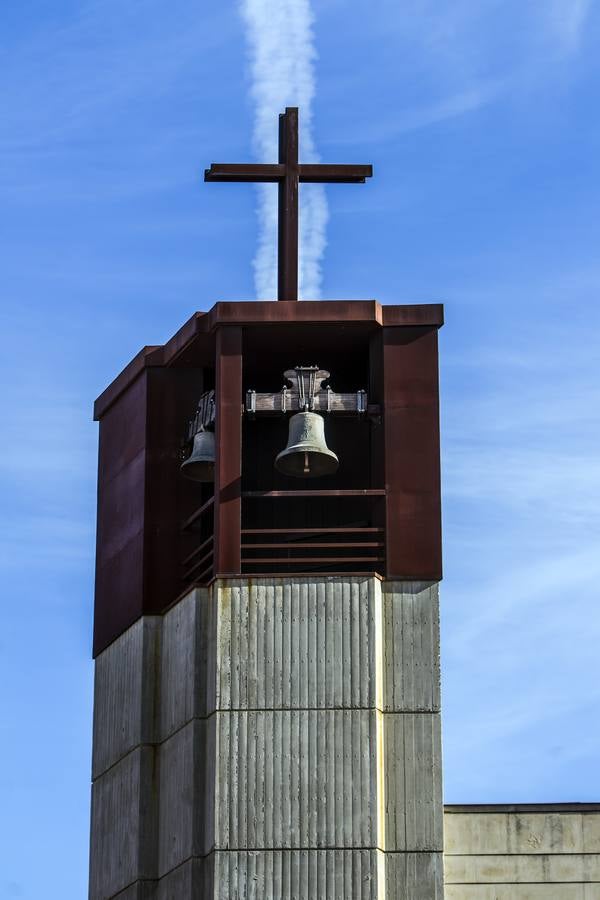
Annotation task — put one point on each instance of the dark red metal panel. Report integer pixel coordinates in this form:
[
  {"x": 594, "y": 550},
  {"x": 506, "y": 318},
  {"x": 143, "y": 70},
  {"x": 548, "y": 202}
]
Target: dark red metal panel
[
  {"x": 311, "y": 312},
  {"x": 228, "y": 439},
  {"x": 299, "y": 492},
  {"x": 189, "y": 333},
  {"x": 119, "y": 593},
  {"x": 141, "y": 497},
  {"x": 120, "y": 522},
  {"x": 412, "y": 453},
  {"x": 123, "y": 430},
  {"x": 413, "y": 314},
  {"x": 148, "y": 356},
  {"x": 376, "y": 398},
  {"x": 172, "y": 396}
]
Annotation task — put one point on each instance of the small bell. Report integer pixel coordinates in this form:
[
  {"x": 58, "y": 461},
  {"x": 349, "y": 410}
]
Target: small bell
[
  {"x": 307, "y": 455},
  {"x": 200, "y": 464}
]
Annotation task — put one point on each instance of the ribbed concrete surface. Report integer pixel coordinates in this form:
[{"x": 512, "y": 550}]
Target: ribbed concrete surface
[
  {"x": 193, "y": 880},
  {"x": 187, "y": 665},
  {"x": 418, "y": 876},
  {"x": 271, "y": 875},
  {"x": 300, "y": 778},
  {"x": 319, "y": 875},
  {"x": 141, "y": 890},
  {"x": 186, "y": 763},
  {"x": 124, "y": 824},
  {"x": 125, "y": 693},
  {"x": 411, "y": 648},
  {"x": 302, "y": 644},
  {"x": 297, "y": 741},
  {"x": 413, "y": 782}
]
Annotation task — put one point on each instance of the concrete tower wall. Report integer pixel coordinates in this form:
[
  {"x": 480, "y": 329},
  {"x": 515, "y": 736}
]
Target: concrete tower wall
[{"x": 272, "y": 738}]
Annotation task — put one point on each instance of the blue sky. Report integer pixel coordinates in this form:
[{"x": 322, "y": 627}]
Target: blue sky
[{"x": 481, "y": 121}]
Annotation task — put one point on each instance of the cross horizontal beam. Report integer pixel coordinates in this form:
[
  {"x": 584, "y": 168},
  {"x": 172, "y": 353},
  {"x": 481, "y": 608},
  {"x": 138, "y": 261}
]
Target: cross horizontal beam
[
  {"x": 308, "y": 173},
  {"x": 245, "y": 172},
  {"x": 320, "y": 173}
]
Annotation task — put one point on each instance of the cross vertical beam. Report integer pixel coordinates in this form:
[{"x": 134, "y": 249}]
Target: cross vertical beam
[
  {"x": 288, "y": 173},
  {"x": 287, "y": 256}
]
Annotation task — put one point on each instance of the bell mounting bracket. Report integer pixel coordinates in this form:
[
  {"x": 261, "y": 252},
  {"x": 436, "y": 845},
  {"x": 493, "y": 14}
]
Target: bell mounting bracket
[
  {"x": 306, "y": 389},
  {"x": 203, "y": 418}
]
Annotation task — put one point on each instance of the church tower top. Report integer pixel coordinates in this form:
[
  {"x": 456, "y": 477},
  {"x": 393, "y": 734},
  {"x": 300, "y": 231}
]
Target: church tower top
[{"x": 356, "y": 489}]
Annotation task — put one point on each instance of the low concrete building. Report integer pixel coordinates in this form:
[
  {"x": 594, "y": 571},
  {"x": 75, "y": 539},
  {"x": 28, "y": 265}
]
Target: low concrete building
[{"x": 522, "y": 852}]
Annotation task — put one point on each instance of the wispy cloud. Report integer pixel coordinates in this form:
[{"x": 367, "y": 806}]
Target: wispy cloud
[
  {"x": 567, "y": 20},
  {"x": 461, "y": 59},
  {"x": 466, "y": 101},
  {"x": 46, "y": 458},
  {"x": 50, "y": 542},
  {"x": 521, "y": 484},
  {"x": 463, "y": 102},
  {"x": 85, "y": 72},
  {"x": 282, "y": 56},
  {"x": 533, "y": 589}
]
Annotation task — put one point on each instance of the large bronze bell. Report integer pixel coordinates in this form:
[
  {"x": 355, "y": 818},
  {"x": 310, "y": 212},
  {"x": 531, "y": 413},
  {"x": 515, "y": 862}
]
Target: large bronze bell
[
  {"x": 307, "y": 455},
  {"x": 200, "y": 464}
]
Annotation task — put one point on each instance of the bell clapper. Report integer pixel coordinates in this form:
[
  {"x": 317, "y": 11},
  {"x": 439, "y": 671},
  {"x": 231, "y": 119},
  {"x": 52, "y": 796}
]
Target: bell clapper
[{"x": 306, "y": 465}]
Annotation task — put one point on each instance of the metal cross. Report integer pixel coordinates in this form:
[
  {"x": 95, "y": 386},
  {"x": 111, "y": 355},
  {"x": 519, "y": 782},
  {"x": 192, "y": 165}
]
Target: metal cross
[{"x": 287, "y": 173}]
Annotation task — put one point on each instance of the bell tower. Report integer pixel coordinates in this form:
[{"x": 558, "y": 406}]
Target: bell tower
[{"x": 267, "y": 709}]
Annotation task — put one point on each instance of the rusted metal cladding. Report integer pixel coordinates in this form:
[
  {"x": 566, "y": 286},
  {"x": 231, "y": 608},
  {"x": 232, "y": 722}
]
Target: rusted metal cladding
[
  {"x": 121, "y": 506},
  {"x": 228, "y": 439},
  {"x": 160, "y": 534},
  {"x": 412, "y": 452},
  {"x": 140, "y": 499}
]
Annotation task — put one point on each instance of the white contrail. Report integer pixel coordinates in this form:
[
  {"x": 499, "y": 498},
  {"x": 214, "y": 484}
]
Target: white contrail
[
  {"x": 282, "y": 54},
  {"x": 568, "y": 19}
]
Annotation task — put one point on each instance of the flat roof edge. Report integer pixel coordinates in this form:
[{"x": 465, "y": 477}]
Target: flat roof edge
[{"x": 574, "y": 807}]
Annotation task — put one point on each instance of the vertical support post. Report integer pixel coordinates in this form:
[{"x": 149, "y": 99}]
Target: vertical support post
[
  {"x": 412, "y": 453},
  {"x": 228, "y": 440},
  {"x": 287, "y": 258},
  {"x": 376, "y": 429},
  {"x": 376, "y": 396}
]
